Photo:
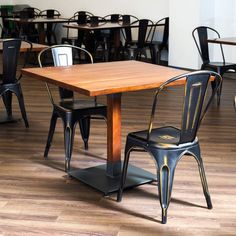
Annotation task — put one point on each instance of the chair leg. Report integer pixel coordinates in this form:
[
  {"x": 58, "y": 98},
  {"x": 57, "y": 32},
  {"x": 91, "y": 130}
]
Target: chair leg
[
  {"x": 20, "y": 97},
  {"x": 68, "y": 140},
  {"x": 197, "y": 155},
  {"x": 84, "y": 125},
  {"x": 219, "y": 94},
  {"x": 50, "y": 133},
  {"x": 7, "y": 100},
  {"x": 165, "y": 175},
  {"x": 204, "y": 184},
  {"x": 124, "y": 173}
]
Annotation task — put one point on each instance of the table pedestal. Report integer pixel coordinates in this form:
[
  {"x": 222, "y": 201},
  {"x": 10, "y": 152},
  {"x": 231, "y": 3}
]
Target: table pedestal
[{"x": 97, "y": 178}]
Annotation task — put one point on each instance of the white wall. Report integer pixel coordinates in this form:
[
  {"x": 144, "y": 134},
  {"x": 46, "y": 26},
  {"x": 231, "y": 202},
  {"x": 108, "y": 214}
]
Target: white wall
[
  {"x": 5, "y": 2},
  {"x": 184, "y": 15},
  {"x": 153, "y": 9}
]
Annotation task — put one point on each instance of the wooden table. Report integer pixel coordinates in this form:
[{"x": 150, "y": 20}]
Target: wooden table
[
  {"x": 40, "y": 21},
  {"x": 25, "y": 46},
  {"x": 87, "y": 28},
  {"x": 110, "y": 79}
]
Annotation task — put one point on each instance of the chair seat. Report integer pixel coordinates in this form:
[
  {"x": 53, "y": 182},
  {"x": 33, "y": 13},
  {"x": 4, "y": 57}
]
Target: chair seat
[
  {"x": 220, "y": 64},
  {"x": 80, "y": 104},
  {"x": 165, "y": 137}
]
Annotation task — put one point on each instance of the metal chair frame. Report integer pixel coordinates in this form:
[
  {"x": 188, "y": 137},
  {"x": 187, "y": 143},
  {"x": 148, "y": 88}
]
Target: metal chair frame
[
  {"x": 68, "y": 109},
  {"x": 200, "y": 36},
  {"x": 167, "y": 145},
  {"x": 9, "y": 83}
]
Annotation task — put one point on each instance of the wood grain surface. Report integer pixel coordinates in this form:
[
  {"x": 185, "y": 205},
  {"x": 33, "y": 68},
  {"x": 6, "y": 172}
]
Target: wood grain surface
[{"x": 106, "y": 78}]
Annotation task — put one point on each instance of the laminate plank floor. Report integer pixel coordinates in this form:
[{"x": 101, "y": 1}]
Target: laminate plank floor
[{"x": 37, "y": 197}]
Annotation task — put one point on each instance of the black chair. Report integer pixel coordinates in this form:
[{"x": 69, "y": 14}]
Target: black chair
[
  {"x": 7, "y": 27},
  {"x": 200, "y": 35},
  {"x": 105, "y": 38},
  {"x": 81, "y": 17},
  {"x": 168, "y": 144},
  {"x": 67, "y": 108},
  {"x": 9, "y": 84},
  {"x": 32, "y": 12},
  {"x": 28, "y": 31},
  {"x": 136, "y": 43},
  {"x": 158, "y": 44},
  {"x": 51, "y": 28}
]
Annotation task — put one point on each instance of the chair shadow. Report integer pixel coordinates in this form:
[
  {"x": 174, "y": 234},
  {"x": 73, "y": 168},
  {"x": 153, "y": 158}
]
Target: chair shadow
[{"x": 144, "y": 193}]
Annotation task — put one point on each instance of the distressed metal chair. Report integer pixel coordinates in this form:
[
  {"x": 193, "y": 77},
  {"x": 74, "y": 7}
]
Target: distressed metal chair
[
  {"x": 67, "y": 108},
  {"x": 200, "y": 35},
  {"x": 168, "y": 144},
  {"x": 9, "y": 84}
]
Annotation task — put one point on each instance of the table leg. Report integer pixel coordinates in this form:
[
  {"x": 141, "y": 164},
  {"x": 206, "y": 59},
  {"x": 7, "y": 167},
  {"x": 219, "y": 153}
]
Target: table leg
[
  {"x": 106, "y": 178},
  {"x": 41, "y": 33},
  {"x": 113, "y": 134}
]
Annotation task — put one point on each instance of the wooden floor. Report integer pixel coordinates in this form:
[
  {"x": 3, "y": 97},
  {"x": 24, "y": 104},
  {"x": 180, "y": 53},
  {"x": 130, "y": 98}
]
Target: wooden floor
[{"x": 37, "y": 198}]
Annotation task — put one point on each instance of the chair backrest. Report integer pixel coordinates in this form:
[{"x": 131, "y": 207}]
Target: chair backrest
[
  {"x": 113, "y": 18},
  {"x": 63, "y": 55},
  {"x": 144, "y": 28},
  {"x": 10, "y": 54},
  {"x": 200, "y": 36},
  {"x": 161, "y": 26},
  {"x": 50, "y": 13},
  {"x": 82, "y": 16},
  {"x": 126, "y": 32},
  {"x": 29, "y": 12},
  {"x": 5, "y": 24},
  {"x": 195, "y": 101}
]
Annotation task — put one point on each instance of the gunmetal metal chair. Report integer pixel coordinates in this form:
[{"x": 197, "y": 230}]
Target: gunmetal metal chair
[
  {"x": 67, "y": 108},
  {"x": 168, "y": 144},
  {"x": 9, "y": 84},
  {"x": 200, "y": 36}
]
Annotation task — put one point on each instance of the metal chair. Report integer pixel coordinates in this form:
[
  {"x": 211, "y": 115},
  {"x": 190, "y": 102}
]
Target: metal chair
[
  {"x": 28, "y": 31},
  {"x": 67, "y": 108},
  {"x": 9, "y": 84},
  {"x": 158, "y": 44},
  {"x": 81, "y": 17},
  {"x": 51, "y": 28},
  {"x": 136, "y": 42},
  {"x": 168, "y": 144},
  {"x": 200, "y": 36}
]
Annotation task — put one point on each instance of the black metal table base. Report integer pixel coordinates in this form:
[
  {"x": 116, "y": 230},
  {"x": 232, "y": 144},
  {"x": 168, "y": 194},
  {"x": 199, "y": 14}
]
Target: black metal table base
[{"x": 96, "y": 177}]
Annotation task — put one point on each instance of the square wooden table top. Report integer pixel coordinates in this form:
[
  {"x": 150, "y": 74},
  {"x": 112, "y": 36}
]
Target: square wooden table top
[{"x": 106, "y": 78}]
